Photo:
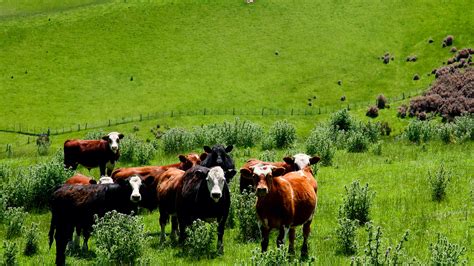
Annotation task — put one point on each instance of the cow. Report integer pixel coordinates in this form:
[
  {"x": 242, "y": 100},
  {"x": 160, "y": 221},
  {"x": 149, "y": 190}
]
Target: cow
[
  {"x": 79, "y": 179},
  {"x": 203, "y": 194},
  {"x": 150, "y": 199},
  {"x": 74, "y": 206},
  {"x": 284, "y": 202},
  {"x": 93, "y": 153},
  {"x": 218, "y": 156},
  {"x": 295, "y": 163}
]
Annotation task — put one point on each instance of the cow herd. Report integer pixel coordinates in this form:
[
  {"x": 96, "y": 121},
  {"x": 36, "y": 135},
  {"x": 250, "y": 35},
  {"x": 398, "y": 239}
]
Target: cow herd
[{"x": 196, "y": 187}]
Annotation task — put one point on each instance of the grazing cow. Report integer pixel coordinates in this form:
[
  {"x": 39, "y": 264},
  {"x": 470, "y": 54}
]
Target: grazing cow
[
  {"x": 204, "y": 194},
  {"x": 284, "y": 202},
  {"x": 297, "y": 162},
  {"x": 79, "y": 179},
  {"x": 218, "y": 156},
  {"x": 74, "y": 206},
  {"x": 150, "y": 200},
  {"x": 92, "y": 153}
]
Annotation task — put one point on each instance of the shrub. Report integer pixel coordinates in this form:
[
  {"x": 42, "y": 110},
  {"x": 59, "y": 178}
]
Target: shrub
[
  {"x": 241, "y": 133},
  {"x": 371, "y": 131},
  {"x": 357, "y": 142},
  {"x": 119, "y": 238},
  {"x": 273, "y": 257},
  {"x": 10, "y": 251},
  {"x": 385, "y": 129},
  {"x": 381, "y": 101},
  {"x": 419, "y": 131},
  {"x": 446, "y": 133},
  {"x": 136, "y": 150},
  {"x": 356, "y": 203},
  {"x": 402, "y": 111},
  {"x": 268, "y": 143},
  {"x": 445, "y": 253},
  {"x": 372, "y": 111},
  {"x": 377, "y": 149},
  {"x": 341, "y": 120},
  {"x": 268, "y": 156},
  {"x": 244, "y": 203},
  {"x": 320, "y": 143},
  {"x": 177, "y": 140},
  {"x": 95, "y": 135},
  {"x": 200, "y": 240},
  {"x": 283, "y": 134},
  {"x": 464, "y": 127},
  {"x": 346, "y": 233},
  {"x": 42, "y": 144},
  {"x": 32, "y": 240},
  {"x": 438, "y": 182},
  {"x": 5, "y": 172},
  {"x": 14, "y": 218}
]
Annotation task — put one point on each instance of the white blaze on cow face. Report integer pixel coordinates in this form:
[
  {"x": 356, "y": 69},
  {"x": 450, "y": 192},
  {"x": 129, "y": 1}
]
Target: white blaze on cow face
[
  {"x": 135, "y": 181},
  {"x": 215, "y": 182},
  {"x": 114, "y": 138},
  {"x": 262, "y": 172},
  {"x": 302, "y": 160}
]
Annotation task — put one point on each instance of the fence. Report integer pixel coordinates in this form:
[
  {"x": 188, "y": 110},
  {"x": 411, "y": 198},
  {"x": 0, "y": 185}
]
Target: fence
[{"x": 264, "y": 111}]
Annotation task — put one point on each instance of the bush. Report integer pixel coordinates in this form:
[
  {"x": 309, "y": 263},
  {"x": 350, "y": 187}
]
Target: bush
[
  {"x": 357, "y": 142},
  {"x": 95, "y": 135},
  {"x": 32, "y": 240},
  {"x": 14, "y": 218},
  {"x": 239, "y": 133},
  {"x": 43, "y": 143},
  {"x": 341, "y": 120},
  {"x": 346, "y": 233},
  {"x": 377, "y": 149},
  {"x": 268, "y": 143},
  {"x": 199, "y": 242},
  {"x": 177, "y": 140},
  {"x": 5, "y": 172},
  {"x": 283, "y": 134},
  {"x": 419, "y": 131},
  {"x": 244, "y": 203},
  {"x": 381, "y": 101},
  {"x": 371, "y": 130},
  {"x": 446, "y": 133},
  {"x": 268, "y": 156},
  {"x": 273, "y": 257},
  {"x": 320, "y": 143},
  {"x": 356, "y": 204},
  {"x": 438, "y": 182},
  {"x": 10, "y": 251},
  {"x": 464, "y": 127},
  {"x": 445, "y": 253},
  {"x": 385, "y": 129},
  {"x": 372, "y": 111},
  {"x": 136, "y": 150},
  {"x": 119, "y": 238},
  {"x": 402, "y": 111}
]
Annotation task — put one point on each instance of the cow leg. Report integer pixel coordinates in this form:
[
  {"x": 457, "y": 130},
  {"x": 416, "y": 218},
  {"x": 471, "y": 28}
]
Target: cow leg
[
  {"x": 86, "y": 234},
  {"x": 102, "y": 169},
  {"x": 281, "y": 236},
  {"x": 306, "y": 231},
  {"x": 163, "y": 221},
  {"x": 292, "y": 236},
  {"x": 220, "y": 235},
  {"x": 62, "y": 236},
  {"x": 265, "y": 233},
  {"x": 174, "y": 227}
]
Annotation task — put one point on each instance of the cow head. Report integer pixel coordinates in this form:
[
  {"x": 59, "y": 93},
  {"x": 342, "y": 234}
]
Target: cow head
[
  {"x": 301, "y": 161},
  {"x": 215, "y": 180},
  {"x": 113, "y": 138},
  {"x": 106, "y": 180},
  {"x": 263, "y": 176},
  {"x": 135, "y": 183},
  {"x": 218, "y": 156},
  {"x": 189, "y": 161}
]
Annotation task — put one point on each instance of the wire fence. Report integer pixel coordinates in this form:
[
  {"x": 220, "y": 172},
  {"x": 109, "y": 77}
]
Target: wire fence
[{"x": 264, "y": 111}]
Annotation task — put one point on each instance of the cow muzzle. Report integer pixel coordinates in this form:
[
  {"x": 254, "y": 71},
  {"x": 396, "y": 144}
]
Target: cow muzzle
[
  {"x": 136, "y": 198},
  {"x": 262, "y": 191},
  {"x": 216, "y": 196}
]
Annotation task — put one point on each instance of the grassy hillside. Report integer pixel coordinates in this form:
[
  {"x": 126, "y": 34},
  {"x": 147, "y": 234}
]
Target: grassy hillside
[{"x": 62, "y": 66}]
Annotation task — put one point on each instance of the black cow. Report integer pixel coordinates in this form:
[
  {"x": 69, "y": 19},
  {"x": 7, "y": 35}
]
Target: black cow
[
  {"x": 204, "y": 194},
  {"x": 74, "y": 206},
  {"x": 218, "y": 156}
]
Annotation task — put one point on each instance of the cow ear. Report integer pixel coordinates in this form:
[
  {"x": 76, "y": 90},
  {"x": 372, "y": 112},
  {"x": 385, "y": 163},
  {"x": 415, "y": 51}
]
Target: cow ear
[
  {"x": 207, "y": 149},
  {"x": 278, "y": 171},
  {"x": 314, "y": 160},
  {"x": 203, "y": 156},
  {"x": 120, "y": 136},
  {"x": 182, "y": 158},
  {"x": 289, "y": 160},
  {"x": 92, "y": 182},
  {"x": 106, "y": 137},
  {"x": 122, "y": 182},
  {"x": 246, "y": 173},
  {"x": 229, "y": 148},
  {"x": 149, "y": 180},
  {"x": 200, "y": 173}
]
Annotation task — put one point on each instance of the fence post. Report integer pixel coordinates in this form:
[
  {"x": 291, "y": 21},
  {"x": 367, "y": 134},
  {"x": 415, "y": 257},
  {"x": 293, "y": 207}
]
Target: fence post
[
  {"x": 233, "y": 111},
  {"x": 204, "y": 111},
  {"x": 171, "y": 113},
  {"x": 403, "y": 95},
  {"x": 86, "y": 126},
  {"x": 263, "y": 110},
  {"x": 109, "y": 122}
]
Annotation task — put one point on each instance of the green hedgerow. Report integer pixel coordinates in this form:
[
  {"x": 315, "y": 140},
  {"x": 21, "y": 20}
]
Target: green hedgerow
[{"x": 200, "y": 238}]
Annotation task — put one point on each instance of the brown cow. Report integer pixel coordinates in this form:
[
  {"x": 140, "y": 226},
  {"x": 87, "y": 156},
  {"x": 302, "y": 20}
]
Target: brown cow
[
  {"x": 92, "y": 153},
  {"x": 79, "y": 179},
  {"x": 284, "y": 202}
]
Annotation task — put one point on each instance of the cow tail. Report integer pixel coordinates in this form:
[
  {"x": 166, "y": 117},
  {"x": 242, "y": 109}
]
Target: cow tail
[{"x": 52, "y": 227}]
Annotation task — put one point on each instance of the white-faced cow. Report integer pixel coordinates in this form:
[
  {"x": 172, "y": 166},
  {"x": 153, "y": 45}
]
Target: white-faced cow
[
  {"x": 204, "y": 194},
  {"x": 219, "y": 156},
  {"x": 284, "y": 202},
  {"x": 74, "y": 206},
  {"x": 93, "y": 153}
]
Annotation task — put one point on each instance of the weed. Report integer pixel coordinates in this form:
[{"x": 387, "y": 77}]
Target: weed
[
  {"x": 346, "y": 233},
  {"x": 14, "y": 219},
  {"x": 320, "y": 143},
  {"x": 445, "y": 253},
  {"x": 32, "y": 240},
  {"x": 357, "y": 202},
  {"x": 10, "y": 251},
  {"x": 283, "y": 134},
  {"x": 199, "y": 242},
  {"x": 438, "y": 182}
]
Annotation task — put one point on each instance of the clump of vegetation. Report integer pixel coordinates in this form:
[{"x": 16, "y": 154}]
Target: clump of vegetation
[
  {"x": 372, "y": 111},
  {"x": 239, "y": 133},
  {"x": 346, "y": 233},
  {"x": 177, "y": 140},
  {"x": 370, "y": 130},
  {"x": 14, "y": 219},
  {"x": 446, "y": 133},
  {"x": 438, "y": 182},
  {"x": 445, "y": 253},
  {"x": 5, "y": 172},
  {"x": 385, "y": 129},
  {"x": 249, "y": 230},
  {"x": 320, "y": 143},
  {"x": 377, "y": 149},
  {"x": 95, "y": 135},
  {"x": 356, "y": 203},
  {"x": 464, "y": 127},
  {"x": 282, "y": 134},
  {"x": 10, "y": 251},
  {"x": 272, "y": 257},
  {"x": 381, "y": 101},
  {"x": 357, "y": 142},
  {"x": 42, "y": 144},
  {"x": 136, "y": 150},
  {"x": 268, "y": 156},
  {"x": 402, "y": 111},
  {"x": 119, "y": 238},
  {"x": 419, "y": 131},
  {"x": 341, "y": 120},
  {"x": 199, "y": 242},
  {"x": 32, "y": 240}
]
